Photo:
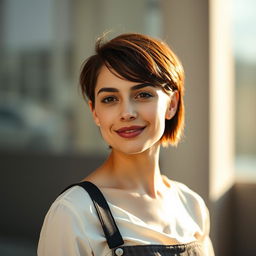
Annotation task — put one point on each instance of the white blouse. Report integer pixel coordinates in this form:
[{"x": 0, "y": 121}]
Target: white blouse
[{"x": 72, "y": 228}]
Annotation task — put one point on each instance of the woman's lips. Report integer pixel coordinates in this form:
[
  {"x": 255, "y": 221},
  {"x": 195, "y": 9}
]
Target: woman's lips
[{"x": 130, "y": 132}]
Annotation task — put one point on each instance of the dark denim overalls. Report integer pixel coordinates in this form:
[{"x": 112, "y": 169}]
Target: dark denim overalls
[{"x": 115, "y": 240}]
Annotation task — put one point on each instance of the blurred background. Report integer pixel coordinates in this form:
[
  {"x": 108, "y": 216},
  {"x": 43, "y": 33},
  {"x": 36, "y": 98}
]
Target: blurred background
[{"x": 48, "y": 139}]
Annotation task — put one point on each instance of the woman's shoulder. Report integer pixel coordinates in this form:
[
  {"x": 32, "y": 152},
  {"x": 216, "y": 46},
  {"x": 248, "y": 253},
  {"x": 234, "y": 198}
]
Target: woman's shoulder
[
  {"x": 193, "y": 203},
  {"x": 187, "y": 194},
  {"x": 75, "y": 200}
]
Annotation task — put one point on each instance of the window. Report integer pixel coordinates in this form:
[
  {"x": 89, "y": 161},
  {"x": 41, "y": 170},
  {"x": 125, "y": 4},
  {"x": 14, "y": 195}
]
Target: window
[{"x": 244, "y": 38}]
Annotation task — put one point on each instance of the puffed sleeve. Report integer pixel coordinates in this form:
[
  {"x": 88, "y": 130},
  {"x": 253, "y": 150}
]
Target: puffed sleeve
[
  {"x": 199, "y": 212},
  {"x": 62, "y": 233}
]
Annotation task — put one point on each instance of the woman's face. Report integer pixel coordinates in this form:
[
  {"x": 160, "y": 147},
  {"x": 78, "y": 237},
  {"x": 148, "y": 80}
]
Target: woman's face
[{"x": 131, "y": 115}]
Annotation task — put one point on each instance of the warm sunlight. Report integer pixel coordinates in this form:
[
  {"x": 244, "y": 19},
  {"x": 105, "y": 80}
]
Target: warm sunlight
[{"x": 221, "y": 100}]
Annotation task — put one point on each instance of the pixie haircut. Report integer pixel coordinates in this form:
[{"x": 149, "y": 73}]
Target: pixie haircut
[{"x": 139, "y": 58}]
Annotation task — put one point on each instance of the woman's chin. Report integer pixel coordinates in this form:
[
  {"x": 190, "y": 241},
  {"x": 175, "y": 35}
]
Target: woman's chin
[{"x": 132, "y": 149}]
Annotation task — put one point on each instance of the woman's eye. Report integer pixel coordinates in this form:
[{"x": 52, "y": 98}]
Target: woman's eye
[
  {"x": 109, "y": 99},
  {"x": 144, "y": 95}
]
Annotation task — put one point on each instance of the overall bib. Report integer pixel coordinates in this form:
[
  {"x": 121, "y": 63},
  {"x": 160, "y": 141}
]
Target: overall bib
[{"x": 115, "y": 240}]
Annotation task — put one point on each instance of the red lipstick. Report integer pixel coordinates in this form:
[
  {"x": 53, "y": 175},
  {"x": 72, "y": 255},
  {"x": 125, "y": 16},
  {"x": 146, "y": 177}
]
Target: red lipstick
[{"x": 131, "y": 131}]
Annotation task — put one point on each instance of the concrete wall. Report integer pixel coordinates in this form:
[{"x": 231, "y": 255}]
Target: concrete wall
[
  {"x": 186, "y": 29},
  {"x": 29, "y": 184},
  {"x": 204, "y": 159},
  {"x": 244, "y": 218}
]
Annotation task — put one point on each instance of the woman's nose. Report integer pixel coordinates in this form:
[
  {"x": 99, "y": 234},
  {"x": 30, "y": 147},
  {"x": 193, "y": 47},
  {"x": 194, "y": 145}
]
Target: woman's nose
[{"x": 128, "y": 112}]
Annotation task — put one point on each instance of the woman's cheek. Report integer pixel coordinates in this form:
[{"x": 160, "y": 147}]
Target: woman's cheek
[
  {"x": 106, "y": 120},
  {"x": 149, "y": 111}
]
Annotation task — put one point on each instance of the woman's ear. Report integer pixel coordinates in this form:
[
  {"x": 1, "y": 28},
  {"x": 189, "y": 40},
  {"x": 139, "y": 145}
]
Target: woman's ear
[
  {"x": 94, "y": 115},
  {"x": 173, "y": 105}
]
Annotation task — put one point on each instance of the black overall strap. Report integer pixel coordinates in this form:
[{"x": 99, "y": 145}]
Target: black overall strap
[{"x": 107, "y": 221}]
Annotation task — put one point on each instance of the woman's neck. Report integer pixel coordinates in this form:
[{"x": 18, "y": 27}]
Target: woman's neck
[{"x": 137, "y": 172}]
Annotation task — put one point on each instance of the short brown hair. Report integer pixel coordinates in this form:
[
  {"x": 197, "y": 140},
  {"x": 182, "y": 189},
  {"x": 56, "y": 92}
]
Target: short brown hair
[{"x": 139, "y": 58}]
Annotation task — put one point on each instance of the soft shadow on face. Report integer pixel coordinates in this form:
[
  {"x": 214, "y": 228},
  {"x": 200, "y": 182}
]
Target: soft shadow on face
[{"x": 130, "y": 115}]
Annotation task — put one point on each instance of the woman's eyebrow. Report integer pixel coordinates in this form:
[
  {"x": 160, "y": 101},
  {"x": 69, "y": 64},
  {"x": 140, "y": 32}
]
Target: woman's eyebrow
[
  {"x": 140, "y": 86},
  {"x": 133, "y": 88},
  {"x": 107, "y": 89}
]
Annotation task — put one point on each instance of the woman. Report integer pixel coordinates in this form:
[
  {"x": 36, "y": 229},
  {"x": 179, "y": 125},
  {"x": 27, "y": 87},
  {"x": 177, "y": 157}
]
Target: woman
[{"x": 134, "y": 84}]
